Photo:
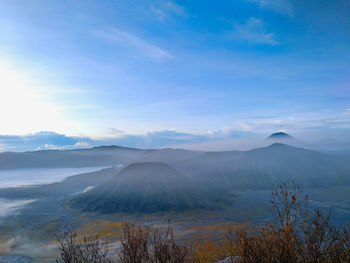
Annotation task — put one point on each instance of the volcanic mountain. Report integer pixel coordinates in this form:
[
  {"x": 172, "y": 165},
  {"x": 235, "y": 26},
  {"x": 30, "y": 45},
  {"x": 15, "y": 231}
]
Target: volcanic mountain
[
  {"x": 266, "y": 168},
  {"x": 280, "y": 136},
  {"x": 145, "y": 187}
]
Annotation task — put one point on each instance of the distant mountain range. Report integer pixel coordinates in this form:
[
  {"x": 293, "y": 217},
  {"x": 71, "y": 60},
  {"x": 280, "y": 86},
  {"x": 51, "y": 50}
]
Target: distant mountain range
[
  {"x": 266, "y": 168},
  {"x": 199, "y": 177},
  {"x": 98, "y": 156},
  {"x": 171, "y": 179}
]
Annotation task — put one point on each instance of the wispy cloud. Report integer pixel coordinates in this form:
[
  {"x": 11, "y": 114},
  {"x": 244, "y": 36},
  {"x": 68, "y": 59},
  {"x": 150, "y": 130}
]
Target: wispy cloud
[
  {"x": 12, "y": 207},
  {"x": 253, "y": 31},
  {"x": 281, "y": 6},
  {"x": 129, "y": 40},
  {"x": 306, "y": 122},
  {"x": 166, "y": 9}
]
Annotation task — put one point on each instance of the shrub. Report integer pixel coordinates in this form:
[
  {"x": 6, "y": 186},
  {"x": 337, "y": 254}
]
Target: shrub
[
  {"x": 294, "y": 236},
  {"x": 90, "y": 250},
  {"x": 146, "y": 245},
  {"x": 135, "y": 244},
  {"x": 166, "y": 249},
  {"x": 138, "y": 245}
]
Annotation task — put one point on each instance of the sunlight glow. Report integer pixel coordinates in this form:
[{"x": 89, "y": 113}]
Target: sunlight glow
[{"x": 24, "y": 106}]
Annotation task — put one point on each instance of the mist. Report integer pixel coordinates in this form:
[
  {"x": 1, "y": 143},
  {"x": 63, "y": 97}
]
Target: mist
[
  {"x": 35, "y": 176},
  {"x": 12, "y": 207},
  {"x": 336, "y": 146}
]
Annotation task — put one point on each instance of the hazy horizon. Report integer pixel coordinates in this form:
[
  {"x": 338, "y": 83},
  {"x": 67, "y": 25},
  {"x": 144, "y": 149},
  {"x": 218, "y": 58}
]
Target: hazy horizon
[
  {"x": 233, "y": 69},
  {"x": 210, "y": 141}
]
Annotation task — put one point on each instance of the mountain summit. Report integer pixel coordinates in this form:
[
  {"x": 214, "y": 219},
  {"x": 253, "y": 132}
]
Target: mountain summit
[{"x": 279, "y": 136}]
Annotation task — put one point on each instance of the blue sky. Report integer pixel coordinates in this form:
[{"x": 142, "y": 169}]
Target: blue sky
[{"x": 112, "y": 69}]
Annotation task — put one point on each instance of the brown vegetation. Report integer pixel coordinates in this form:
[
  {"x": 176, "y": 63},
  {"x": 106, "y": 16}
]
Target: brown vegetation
[
  {"x": 146, "y": 245},
  {"x": 139, "y": 244},
  {"x": 294, "y": 236},
  {"x": 90, "y": 250}
]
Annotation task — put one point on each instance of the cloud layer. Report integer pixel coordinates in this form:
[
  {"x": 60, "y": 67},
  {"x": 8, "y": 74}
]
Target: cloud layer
[{"x": 155, "y": 139}]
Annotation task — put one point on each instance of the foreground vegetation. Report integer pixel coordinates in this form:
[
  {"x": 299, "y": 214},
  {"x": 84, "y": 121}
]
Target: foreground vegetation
[{"x": 295, "y": 235}]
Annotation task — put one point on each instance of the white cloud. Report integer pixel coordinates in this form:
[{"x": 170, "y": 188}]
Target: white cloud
[
  {"x": 87, "y": 189},
  {"x": 245, "y": 127},
  {"x": 159, "y": 13},
  {"x": 81, "y": 145},
  {"x": 129, "y": 40},
  {"x": 281, "y": 6},
  {"x": 254, "y": 32},
  {"x": 168, "y": 8},
  {"x": 267, "y": 125},
  {"x": 317, "y": 123},
  {"x": 12, "y": 207},
  {"x": 175, "y": 8}
]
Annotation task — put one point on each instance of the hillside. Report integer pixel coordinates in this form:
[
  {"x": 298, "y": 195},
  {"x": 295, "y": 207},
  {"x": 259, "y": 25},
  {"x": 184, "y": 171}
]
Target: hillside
[
  {"x": 98, "y": 156},
  {"x": 146, "y": 187},
  {"x": 266, "y": 168},
  {"x": 168, "y": 155}
]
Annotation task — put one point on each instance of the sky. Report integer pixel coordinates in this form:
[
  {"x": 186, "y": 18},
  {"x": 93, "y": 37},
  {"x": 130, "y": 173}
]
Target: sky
[{"x": 157, "y": 73}]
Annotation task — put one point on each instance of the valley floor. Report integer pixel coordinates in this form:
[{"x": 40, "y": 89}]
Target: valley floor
[{"x": 30, "y": 230}]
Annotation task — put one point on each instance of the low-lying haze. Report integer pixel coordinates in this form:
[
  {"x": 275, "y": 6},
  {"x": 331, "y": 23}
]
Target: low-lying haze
[{"x": 22, "y": 177}]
